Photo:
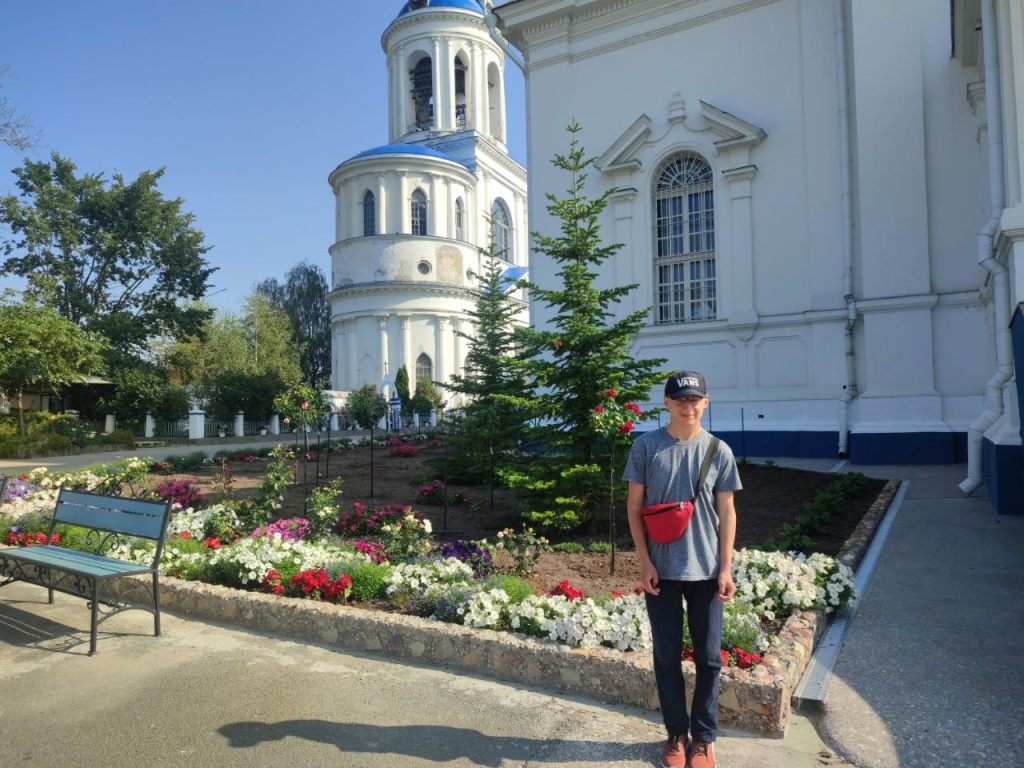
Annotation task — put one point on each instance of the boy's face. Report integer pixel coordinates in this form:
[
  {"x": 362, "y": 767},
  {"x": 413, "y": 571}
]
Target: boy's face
[{"x": 686, "y": 410}]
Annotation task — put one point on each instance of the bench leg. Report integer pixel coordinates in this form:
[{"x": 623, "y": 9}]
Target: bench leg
[
  {"x": 156, "y": 606},
  {"x": 95, "y": 617}
]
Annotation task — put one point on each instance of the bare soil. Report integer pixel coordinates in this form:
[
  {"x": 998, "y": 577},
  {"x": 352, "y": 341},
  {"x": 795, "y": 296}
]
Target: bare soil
[{"x": 771, "y": 497}]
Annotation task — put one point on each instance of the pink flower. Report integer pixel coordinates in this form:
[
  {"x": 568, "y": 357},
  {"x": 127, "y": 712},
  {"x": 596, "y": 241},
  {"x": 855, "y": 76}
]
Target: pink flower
[{"x": 305, "y": 405}]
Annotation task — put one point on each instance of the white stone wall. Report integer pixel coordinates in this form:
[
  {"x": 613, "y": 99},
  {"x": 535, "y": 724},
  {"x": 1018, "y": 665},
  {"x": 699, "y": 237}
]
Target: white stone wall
[{"x": 637, "y": 77}]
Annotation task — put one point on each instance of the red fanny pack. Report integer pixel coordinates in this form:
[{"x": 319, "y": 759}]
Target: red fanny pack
[{"x": 667, "y": 522}]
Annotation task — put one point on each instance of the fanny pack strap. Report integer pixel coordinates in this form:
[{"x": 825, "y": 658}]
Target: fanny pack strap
[{"x": 705, "y": 466}]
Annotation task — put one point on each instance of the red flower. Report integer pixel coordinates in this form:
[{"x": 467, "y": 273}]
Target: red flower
[
  {"x": 558, "y": 343},
  {"x": 599, "y": 409},
  {"x": 186, "y": 534},
  {"x": 212, "y": 542},
  {"x": 611, "y": 393},
  {"x": 568, "y": 591},
  {"x": 626, "y": 428}
]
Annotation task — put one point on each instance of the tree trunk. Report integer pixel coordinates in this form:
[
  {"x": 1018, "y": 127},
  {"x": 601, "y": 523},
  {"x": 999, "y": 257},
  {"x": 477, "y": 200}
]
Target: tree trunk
[{"x": 21, "y": 414}]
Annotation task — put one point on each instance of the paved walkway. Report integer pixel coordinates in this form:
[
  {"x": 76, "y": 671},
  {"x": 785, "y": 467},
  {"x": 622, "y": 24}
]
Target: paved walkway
[{"x": 932, "y": 673}]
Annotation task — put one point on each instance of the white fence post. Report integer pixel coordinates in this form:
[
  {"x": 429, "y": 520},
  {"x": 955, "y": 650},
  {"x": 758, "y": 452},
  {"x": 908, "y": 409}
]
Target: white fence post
[
  {"x": 150, "y": 426},
  {"x": 109, "y": 423},
  {"x": 239, "y": 424},
  {"x": 433, "y": 417},
  {"x": 275, "y": 424},
  {"x": 196, "y": 425}
]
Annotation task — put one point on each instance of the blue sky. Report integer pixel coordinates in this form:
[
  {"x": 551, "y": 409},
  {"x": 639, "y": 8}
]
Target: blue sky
[{"x": 248, "y": 104}]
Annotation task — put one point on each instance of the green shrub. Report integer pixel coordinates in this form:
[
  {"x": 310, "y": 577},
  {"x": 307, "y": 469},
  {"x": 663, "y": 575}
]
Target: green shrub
[
  {"x": 602, "y": 547},
  {"x": 568, "y": 547},
  {"x": 517, "y": 588},
  {"x": 370, "y": 582}
]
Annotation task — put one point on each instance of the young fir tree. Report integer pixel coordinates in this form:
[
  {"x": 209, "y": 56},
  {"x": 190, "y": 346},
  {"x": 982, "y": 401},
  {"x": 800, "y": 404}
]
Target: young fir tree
[
  {"x": 493, "y": 378},
  {"x": 582, "y": 353},
  {"x": 402, "y": 385}
]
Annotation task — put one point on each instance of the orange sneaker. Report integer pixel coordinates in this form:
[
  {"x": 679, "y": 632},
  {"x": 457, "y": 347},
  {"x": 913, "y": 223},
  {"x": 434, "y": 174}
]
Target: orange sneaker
[
  {"x": 701, "y": 755},
  {"x": 673, "y": 754}
]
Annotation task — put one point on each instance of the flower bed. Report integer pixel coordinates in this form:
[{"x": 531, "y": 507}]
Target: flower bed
[{"x": 455, "y": 593}]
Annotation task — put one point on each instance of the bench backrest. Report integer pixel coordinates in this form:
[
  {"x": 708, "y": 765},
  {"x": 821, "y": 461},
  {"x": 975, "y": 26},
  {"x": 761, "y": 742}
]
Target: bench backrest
[{"x": 114, "y": 514}]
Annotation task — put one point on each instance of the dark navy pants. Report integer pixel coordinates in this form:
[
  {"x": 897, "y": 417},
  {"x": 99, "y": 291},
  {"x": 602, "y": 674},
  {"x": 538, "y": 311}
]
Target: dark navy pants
[{"x": 704, "y": 615}]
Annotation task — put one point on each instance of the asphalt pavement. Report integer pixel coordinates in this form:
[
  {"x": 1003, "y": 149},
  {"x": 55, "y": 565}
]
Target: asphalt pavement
[{"x": 931, "y": 673}]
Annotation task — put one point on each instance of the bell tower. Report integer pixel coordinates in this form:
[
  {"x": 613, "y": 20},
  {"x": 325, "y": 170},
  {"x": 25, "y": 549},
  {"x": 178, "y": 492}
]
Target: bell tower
[{"x": 445, "y": 73}]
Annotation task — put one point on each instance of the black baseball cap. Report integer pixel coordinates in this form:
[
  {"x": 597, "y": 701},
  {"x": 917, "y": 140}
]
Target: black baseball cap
[{"x": 685, "y": 384}]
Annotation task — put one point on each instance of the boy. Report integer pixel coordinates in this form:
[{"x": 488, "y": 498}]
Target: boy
[{"x": 663, "y": 467}]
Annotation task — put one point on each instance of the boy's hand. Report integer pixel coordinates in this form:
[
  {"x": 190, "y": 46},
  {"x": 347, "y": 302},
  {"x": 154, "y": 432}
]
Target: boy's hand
[
  {"x": 649, "y": 578},
  {"x": 726, "y": 587}
]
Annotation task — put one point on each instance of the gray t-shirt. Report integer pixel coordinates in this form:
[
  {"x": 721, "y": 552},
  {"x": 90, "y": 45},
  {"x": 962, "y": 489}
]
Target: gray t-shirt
[{"x": 668, "y": 469}]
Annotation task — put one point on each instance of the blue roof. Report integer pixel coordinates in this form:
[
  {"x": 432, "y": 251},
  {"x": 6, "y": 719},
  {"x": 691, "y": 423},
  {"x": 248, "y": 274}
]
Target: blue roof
[
  {"x": 466, "y": 5},
  {"x": 405, "y": 149}
]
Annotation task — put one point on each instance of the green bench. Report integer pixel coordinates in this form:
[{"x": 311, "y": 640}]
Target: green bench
[{"x": 108, "y": 519}]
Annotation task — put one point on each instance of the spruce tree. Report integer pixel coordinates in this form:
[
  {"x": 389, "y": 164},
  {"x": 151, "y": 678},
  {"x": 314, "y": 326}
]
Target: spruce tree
[
  {"x": 493, "y": 378},
  {"x": 581, "y": 354}
]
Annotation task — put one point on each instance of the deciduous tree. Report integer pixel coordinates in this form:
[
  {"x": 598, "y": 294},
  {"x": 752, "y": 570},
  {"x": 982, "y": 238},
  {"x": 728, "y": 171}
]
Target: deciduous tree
[
  {"x": 303, "y": 296},
  {"x": 116, "y": 258},
  {"x": 40, "y": 349}
]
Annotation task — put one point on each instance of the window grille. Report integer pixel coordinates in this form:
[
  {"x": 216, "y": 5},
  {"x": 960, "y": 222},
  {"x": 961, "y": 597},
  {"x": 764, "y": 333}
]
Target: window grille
[
  {"x": 460, "y": 94},
  {"x": 684, "y": 206},
  {"x": 424, "y": 368},
  {"x": 369, "y": 215},
  {"x": 460, "y": 232},
  {"x": 501, "y": 231},
  {"x": 419, "y": 213}
]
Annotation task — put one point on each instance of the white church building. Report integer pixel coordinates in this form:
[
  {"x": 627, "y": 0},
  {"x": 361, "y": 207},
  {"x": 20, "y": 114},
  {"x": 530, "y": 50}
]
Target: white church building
[
  {"x": 412, "y": 215},
  {"x": 821, "y": 202}
]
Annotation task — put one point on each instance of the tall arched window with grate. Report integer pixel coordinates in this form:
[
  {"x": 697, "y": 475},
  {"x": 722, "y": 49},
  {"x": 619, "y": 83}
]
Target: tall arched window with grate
[
  {"x": 418, "y": 212},
  {"x": 460, "y": 220},
  {"x": 501, "y": 230},
  {"x": 684, "y": 237},
  {"x": 424, "y": 368},
  {"x": 369, "y": 214}
]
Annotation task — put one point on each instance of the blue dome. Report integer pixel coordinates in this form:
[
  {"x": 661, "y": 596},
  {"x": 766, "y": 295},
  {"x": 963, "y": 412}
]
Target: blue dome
[
  {"x": 405, "y": 149},
  {"x": 466, "y": 5}
]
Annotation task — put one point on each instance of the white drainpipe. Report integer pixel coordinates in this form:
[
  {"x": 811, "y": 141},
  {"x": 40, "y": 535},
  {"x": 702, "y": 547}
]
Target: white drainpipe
[
  {"x": 987, "y": 258},
  {"x": 492, "y": 26},
  {"x": 846, "y": 198}
]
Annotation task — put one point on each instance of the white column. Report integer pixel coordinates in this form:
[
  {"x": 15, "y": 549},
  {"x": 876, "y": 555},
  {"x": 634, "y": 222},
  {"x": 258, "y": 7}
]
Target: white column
[
  {"x": 337, "y": 354},
  {"x": 405, "y": 326},
  {"x": 349, "y": 380},
  {"x": 479, "y": 116},
  {"x": 405, "y": 220},
  {"x": 382, "y": 206},
  {"x": 440, "y": 359},
  {"x": 382, "y": 324},
  {"x": 457, "y": 361},
  {"x": 742, "y": 316}
]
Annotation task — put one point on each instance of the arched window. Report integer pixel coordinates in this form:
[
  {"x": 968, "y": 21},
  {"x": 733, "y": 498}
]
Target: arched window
[
  {"x": 419, "y": 212},
  {"x": 460, "y": 93},
  {"x": 424, "y": 368},
  {"x": 684, "y": 260},
  {"x": 422, "y": 78},
  {"x": 460, "y": 220},
  {"x": 501, "y": 230},
  {"x": 369, "y": 214}
]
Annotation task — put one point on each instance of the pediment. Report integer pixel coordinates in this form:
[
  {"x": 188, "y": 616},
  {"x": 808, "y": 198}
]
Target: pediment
[
  {"x": 730, "y": 132},
  {"x": 623, "y": 154}
]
